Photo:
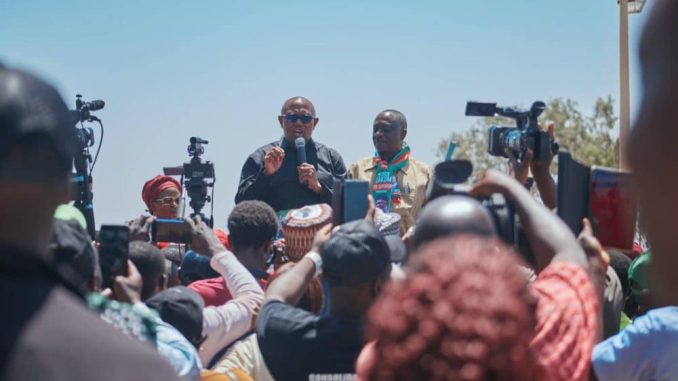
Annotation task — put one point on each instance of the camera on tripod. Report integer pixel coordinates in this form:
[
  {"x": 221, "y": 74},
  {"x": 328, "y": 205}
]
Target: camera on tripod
[
  {"x": 517, "y": 140},
  {"x": 83, "y": 162},
  {"x": 198, "y": 176}
]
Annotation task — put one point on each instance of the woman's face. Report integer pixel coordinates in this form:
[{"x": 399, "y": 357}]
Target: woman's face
[{"x": 166, "y": 204}]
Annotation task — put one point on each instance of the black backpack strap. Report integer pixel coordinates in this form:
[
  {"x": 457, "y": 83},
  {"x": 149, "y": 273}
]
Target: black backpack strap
[{"x": 217, "y": 357}]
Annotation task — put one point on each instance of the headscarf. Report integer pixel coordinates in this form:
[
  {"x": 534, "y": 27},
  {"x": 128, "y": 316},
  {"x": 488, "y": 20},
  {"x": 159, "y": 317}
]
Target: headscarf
[{"x": 153, "y": 187}]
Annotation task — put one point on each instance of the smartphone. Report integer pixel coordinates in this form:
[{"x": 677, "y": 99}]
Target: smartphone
[
  {"x": 349, "y": 200},
  {"x": 113, "y": 252},
  {"x": 574, "y": 182},
  {"x": 171, "y": 230},
  {"x": 612, "y": 208}
]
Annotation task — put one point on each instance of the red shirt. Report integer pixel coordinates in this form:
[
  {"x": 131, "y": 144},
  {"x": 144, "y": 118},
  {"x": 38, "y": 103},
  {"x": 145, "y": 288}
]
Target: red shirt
[
  {"x": 214, "y": 291},
  {"x": 567, "y": 321}
]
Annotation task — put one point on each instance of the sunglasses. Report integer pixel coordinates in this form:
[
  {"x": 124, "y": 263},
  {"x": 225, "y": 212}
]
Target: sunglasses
[
  {"x": 292, "y": 118},
  {"x": 168, "y": 200}
]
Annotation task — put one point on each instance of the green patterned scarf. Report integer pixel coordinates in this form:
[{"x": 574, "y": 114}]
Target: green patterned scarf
[{"x": 385, "y": 190}]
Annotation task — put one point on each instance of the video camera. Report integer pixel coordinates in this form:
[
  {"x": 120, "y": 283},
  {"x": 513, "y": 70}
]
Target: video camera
[
  {"x": 526, "y": 135},
  {"x": 449, "y": 178},
  {"x": 197, "y": 175},
  {"x": 83, "y": 162}
]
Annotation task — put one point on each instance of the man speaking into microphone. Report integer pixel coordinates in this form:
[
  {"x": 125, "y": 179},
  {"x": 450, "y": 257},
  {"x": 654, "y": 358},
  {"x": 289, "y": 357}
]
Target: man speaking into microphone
[{"x": 295, "y": 170}]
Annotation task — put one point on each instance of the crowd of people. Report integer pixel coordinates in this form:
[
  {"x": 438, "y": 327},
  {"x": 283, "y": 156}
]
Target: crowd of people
[{"x": 419, "y": 288}]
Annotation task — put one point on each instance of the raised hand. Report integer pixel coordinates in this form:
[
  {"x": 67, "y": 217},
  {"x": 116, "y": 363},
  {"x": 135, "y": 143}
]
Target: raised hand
[{"x": 273, "y": 160}]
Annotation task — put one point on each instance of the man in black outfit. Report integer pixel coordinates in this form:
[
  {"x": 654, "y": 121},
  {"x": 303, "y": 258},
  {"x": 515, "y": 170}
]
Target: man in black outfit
[
  {"x": 272, "y": 173},
  {"x": 298, "y": 345},
  {"x": 47, "y": 332}
]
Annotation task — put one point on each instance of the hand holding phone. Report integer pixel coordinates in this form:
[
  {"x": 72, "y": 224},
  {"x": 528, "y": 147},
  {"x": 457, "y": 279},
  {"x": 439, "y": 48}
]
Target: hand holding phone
[
  {"x": 203, "y": 240},
  {"x": 113, "y": 252},
  {"x": 170, "y": 230},
  {"x": 349, "y": 200}
]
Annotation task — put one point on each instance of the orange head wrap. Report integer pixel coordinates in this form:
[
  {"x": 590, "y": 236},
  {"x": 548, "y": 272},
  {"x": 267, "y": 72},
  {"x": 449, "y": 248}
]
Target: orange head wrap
[{"x": 154, "y": 186}]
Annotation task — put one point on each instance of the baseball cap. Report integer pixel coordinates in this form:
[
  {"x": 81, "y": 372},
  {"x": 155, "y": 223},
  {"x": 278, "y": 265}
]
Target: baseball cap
[
  {"x": 182, "y": 308},
  {"x": 195, "y": 267},
  {"x": 396, "y": 248},
  {"x": 355, "y": 254},
  {"x": 639, "y": 274},
  {"x": 32, "y": 110},
  {"x": 72, "y": 246}
]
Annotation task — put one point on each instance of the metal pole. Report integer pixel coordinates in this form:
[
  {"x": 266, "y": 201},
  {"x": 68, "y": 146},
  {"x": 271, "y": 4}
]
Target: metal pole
[{"x": 624, "y": 113}]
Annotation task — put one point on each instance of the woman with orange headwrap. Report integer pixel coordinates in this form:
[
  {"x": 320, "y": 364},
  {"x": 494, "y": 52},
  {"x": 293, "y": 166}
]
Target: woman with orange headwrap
[{"x": 161, "y": 195}]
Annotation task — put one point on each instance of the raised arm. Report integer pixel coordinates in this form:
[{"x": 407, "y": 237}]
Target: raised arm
[
  {"x": 550, "y": 239},
  {"x": 224, "y": 324},
  {"x": 291, "y": 285}
]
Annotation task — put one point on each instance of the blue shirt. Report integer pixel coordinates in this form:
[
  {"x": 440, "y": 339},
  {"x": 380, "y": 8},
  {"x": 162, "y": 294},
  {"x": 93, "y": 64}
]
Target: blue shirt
[
  {"x": 175, "y": 348},
  {"x": 645, "y": 350}
]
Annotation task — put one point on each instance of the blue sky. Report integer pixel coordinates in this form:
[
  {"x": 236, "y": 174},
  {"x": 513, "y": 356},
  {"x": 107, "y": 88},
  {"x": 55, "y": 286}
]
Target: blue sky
[{"x": 220, "y": 69}]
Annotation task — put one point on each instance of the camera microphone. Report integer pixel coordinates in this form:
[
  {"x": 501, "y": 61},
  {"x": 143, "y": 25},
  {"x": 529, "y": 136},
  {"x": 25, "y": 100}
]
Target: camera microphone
[
  {"x": 301, "y": 150},
  {"x": 93, "y": 105},
  {"x": 196, "y": 140}
]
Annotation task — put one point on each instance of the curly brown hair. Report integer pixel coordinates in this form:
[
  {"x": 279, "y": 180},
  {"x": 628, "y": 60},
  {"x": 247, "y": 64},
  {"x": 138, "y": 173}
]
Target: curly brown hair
[{"x": 465, "y": 312}]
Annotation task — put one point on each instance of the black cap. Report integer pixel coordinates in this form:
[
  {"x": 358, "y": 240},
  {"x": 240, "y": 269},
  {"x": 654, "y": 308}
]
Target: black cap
[
  {"x": 182, "y": 308},
  {"x": 72, "y": 246},
  {"x": 196, "y": 267},
  {"x": 30, "y": 108},
  {"x": 396, "y": 248},
  {"x": 355, "y": 254}
]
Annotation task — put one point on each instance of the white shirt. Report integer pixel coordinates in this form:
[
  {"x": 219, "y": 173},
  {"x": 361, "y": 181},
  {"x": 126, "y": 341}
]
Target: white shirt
[{"x": 226, "y": 323}]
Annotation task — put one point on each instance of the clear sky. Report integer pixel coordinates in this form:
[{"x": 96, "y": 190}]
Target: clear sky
[{"x": 221, "y": 69}]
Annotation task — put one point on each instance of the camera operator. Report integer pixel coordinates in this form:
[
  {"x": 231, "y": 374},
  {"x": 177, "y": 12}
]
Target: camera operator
[
  {"x": 566, "y": 317},
  {"x": 540, "y": 171}
]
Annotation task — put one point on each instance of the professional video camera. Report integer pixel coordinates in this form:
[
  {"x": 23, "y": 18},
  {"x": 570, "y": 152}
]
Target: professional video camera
[
  {"x": 449, "y": 178},
  {"x": 526, "y": 135},
  {"x": 197, "y": 175},
  {"x": 83, "y": 162}
]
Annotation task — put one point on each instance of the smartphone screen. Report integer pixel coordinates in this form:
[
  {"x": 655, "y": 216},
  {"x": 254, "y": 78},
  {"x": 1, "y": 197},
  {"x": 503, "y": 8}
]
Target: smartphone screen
[
  {"x": 113, "y": 252},
  {"x": 349, "y": 200},
  {"x": 171, "y": 230},
  {"x": 612, "y": 208},
  {"x": 355, "y": 199}
]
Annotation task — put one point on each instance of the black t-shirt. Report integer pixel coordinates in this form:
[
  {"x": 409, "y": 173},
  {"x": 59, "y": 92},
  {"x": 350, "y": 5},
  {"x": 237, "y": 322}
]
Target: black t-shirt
[
  {"x": 296, "y": 344},
  {"x": 49, "y": 334}
]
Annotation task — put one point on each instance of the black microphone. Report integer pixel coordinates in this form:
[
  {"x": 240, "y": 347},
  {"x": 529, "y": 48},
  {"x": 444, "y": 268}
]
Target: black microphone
[
  {"x": 93, "y": 105},
  {"x": 301, "y": 150}
]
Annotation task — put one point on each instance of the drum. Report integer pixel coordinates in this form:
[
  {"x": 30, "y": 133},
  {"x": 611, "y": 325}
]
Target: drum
[{"x": 299, "y": 228}]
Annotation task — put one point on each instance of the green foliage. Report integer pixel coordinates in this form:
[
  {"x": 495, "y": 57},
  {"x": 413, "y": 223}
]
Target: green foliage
[{"x": 590, "y": 139}]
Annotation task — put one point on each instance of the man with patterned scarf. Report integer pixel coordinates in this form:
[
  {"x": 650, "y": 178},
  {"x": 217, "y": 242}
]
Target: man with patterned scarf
[{"x": 398, "y": 182}]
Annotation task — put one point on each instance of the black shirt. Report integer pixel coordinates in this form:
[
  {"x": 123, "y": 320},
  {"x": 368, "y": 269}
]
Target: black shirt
[
  {"x": 282, "y": 190},
  {"x": 295, "y": 343},
  {"x": 49, "y": 334}
]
